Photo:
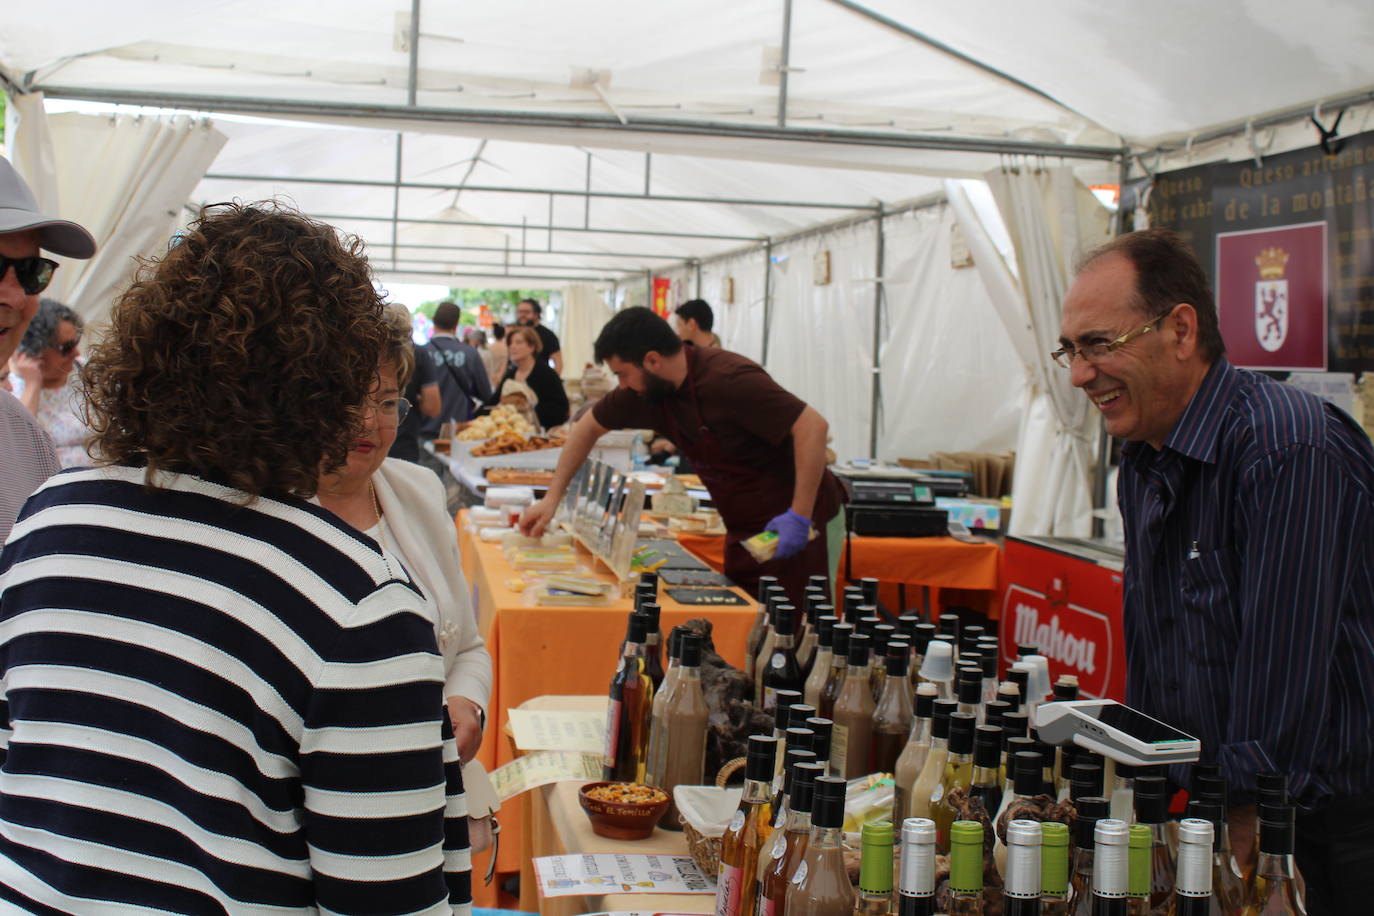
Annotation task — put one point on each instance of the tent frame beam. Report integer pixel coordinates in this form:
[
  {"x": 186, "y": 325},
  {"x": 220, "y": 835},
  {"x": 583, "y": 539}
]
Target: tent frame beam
[
  {"x": 640, "y": 255},
  {"x": 505, "y": 266},
  {"x": 552, "y": 192},
  {"x": 658, "y": 233},
  {"x": 341, "y": 111},
  {"x": 498, "y": 275}
]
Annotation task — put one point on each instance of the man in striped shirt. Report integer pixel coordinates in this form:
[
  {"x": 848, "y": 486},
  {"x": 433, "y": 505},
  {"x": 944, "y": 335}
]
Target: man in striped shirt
[
  {"x": 26, "y": 450},
  {"x": 1249, "y": 584}
]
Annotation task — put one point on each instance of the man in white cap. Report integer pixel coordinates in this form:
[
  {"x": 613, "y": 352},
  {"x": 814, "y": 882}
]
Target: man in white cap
[{"x": 26, "y": 452}]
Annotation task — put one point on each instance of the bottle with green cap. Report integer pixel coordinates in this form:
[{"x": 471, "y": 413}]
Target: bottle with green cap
[
  {"x": 820, "y": 885},
  {"x": 1274, "y": 890},
  {"x": 1196, "y": 854},
  {"x": 875, "y": 870},
  {"x": 1054, "y": 869},
  {"x": 916, "y": 883},
  {"x": 1138, "y": 872},
  {"x": 966, "y": 868},
  {"x": 1021, "y": 881}
]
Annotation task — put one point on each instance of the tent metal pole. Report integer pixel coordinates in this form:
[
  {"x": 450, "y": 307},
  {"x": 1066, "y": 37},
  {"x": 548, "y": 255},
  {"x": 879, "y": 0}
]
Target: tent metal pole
[
  {"x": 698, "y": 285},
  {"x": 413, "y": 71},
  {"x": 878, "y": 291},
  {"x": 505, "y": 264},
  {"x": 648, "y": 126},
  {"x": 649, "y": 288},
  {"x": 1296, "y": 113},
  {"x": 648, "y": 233},
  {"x": 582, "y": 254},
  {"x": 552, "y": 192},
  {"x": 648, "y": 162},
  {"x": 498, "y": 275},
  {"x": 396, "y": 196},
  {"x": 587, "y": 201},
  {"x": 785, "y": 63},
  {"x": 767, "y": 296}
]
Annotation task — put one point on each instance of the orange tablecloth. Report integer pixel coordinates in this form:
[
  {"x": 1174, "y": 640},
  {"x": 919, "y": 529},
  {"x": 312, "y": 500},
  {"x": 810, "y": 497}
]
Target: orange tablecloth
[
  {"x": 942, "y": 561},
  {"x": 555, "y": 650}
]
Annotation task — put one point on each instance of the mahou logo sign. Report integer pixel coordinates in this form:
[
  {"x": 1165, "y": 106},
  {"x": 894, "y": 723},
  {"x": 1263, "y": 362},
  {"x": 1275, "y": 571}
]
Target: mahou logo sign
[{"x": 1075, "y": 639}]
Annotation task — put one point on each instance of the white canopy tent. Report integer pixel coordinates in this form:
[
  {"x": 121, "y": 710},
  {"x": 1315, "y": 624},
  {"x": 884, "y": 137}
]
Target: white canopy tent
[{"x": 597, "y": 144}]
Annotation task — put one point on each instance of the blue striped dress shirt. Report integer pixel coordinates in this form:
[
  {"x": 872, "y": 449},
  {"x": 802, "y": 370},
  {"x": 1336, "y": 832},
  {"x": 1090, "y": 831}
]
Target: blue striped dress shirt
[{"x": 1249, "y": 585}]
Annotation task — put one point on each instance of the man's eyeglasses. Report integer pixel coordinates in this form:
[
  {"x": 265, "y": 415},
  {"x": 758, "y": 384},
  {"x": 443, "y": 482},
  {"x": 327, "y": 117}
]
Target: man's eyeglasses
[
  {"x": 34, "y": 274},
  {"x": 391, "y": 411},
  {"x": 1094, "y": 352}
]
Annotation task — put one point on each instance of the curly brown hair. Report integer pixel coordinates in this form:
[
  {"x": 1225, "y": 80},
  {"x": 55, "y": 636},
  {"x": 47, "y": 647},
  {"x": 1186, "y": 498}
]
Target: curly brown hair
[{"x": 242, "y": 356}]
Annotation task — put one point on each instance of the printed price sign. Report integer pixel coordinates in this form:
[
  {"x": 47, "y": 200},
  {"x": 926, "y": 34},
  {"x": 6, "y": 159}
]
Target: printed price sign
[{"x": 595, "y": 875}]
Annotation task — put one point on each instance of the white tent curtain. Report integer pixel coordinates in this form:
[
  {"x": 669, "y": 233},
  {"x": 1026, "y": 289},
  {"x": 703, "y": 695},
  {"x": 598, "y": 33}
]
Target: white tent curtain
[
  {"x": 951, "y": 378},
  {"x": 29, "y": 145},
  {"x": 739, "y": 323},
  {"x": 126, "y": 180},
  {"x": 1052, "y": 219},
  {"x": 585, "y": 312},
  {"x": 820, "y": 343}
]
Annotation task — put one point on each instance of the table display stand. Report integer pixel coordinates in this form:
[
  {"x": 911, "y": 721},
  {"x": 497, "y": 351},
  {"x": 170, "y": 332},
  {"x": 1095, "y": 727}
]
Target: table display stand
[{"x": 602, "y": 508}]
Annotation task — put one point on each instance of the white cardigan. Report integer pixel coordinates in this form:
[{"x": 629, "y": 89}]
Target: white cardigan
[{"x": 415, "y": 506}]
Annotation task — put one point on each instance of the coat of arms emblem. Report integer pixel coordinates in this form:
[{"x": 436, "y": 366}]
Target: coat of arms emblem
[{"x": 1271, "y": 299}]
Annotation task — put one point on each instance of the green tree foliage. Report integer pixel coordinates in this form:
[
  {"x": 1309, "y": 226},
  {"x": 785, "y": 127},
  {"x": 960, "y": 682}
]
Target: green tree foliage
[{"x": 502, "y": 302}]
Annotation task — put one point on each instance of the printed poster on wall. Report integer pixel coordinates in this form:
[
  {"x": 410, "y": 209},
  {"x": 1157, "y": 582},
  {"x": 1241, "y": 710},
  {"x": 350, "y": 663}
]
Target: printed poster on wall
[{"x": 1289, "y": 247}]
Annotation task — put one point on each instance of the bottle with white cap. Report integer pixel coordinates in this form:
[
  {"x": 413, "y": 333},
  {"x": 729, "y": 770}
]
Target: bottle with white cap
[
  {"x": 1111, "y": 873},
  {"x": 916, "y": 878},
  {"x": 1193, "y": 887},
  {"x": 1021, "y": 882},
  {"x": 938, "y": 667}
]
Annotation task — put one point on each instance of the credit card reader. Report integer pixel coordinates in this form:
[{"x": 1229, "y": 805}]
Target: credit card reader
[{"x": 1108, "y": 728}]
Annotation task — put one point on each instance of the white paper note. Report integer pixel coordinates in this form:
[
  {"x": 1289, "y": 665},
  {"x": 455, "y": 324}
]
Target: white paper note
[
  {"x": 553, "y": 730},
  {"x": 542, "y": 768},
  {"x": 595, "y": 875}
]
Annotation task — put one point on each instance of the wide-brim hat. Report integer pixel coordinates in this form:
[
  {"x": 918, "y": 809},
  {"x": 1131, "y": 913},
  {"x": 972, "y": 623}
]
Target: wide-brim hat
[{"x": 19, "y": 211}]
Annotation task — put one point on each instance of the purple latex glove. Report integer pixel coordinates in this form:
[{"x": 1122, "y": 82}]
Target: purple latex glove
[{"x": 793, "y": 530}]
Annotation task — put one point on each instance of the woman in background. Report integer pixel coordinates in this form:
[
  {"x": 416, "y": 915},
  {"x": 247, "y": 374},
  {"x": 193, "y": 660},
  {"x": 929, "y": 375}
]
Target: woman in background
[
  {"x": 525, "y": 366},
  {"x": 41, "y": 373},
  {"x": 495, "y": 357}
]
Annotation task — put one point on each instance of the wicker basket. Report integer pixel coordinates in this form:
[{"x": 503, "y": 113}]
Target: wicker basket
[{"x": 705, "y": 850}]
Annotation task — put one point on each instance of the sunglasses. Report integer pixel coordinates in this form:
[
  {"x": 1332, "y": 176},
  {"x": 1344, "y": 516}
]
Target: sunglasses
[{"x": 34, "y": 274}]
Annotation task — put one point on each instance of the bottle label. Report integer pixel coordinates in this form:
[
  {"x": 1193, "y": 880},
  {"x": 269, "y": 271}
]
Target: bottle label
[
  {"x": 770, "y": 699},
  {"x": 730, "y": 887},
  {"x": 612, "y": 731},
  {"x": 777, "y": 661},
  {"x": 767, "y": 906},
  {"x": 839, "y": 747},
  {"x": 737, "y": 821},
  {"x": 799, "y": 875}
]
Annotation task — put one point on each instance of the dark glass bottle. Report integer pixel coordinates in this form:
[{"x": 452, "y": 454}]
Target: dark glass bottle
[
  {"x": 839, "y": 638},
  {"x": 1152, "y": 810},
  {"x": 892, "y": 714},
  {"x": 781, "y": 671},
  {"x": 987, "y": 768},
  {"x": 653, "y": 643},
  {"x": 631, "y": 706},
  {"x": 1090, "y": 811}
]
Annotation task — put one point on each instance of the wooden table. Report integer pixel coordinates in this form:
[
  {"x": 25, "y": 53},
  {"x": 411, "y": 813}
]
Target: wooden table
[{"x": 543, "y": 650}]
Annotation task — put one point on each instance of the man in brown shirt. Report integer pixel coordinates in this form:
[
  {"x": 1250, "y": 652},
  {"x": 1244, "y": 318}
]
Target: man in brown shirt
[{"x": 759, "y": 449}]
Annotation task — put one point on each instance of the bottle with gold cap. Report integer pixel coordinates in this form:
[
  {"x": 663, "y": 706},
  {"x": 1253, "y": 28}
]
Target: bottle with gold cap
[
  {"x": 1138, "y": 871},
  {"x": 916, "y": 877},
  {"x": 966, "y": 868},
  {"x": 1054, "y": 869},
  {"x": 875, "y": 870},
  {"x": 1021, "y": 882}
]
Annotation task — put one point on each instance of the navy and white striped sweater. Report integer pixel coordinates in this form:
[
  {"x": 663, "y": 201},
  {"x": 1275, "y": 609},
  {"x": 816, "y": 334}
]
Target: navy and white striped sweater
[{"x": 212, "y": 708}]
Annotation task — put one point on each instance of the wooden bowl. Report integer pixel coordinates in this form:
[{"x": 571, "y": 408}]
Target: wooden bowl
[{"x": 622, "y": 820}]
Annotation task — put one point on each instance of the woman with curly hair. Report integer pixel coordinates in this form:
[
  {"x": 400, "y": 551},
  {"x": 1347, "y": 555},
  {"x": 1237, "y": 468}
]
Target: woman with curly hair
[
  {"x": 219, "y": 697},
  {"x": 42, "y": 370}
]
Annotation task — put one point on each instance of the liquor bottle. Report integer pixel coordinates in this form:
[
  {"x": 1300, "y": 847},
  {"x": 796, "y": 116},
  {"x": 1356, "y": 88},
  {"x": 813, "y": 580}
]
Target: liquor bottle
[
  {"x": 933, "y": 770},
  {"x": 786, "y": 846},
  {"x": 906, "y": 625},
  {"x": 1274, "y": 890},
  {"x": 685, "y": 717},
  {"x": 760, "y": 627},
  {"x": 853, "y": 600},
  {"x": 920, "y": 641},
  {"x": 737, "y": 884},
  {"x": 1152, "y": 810},
  {"x": 784, "y": 699},
  {"x": 770, "y": 642},
  {"x": 1209, "y": 786},
  {"x": 781, "y": 670},
  {"x": 806, "y": 647},
  {"x": 987, "y": 768},
  {"x": 1054, "y": 869},
  {"x": 1085, "y": 780},
  {"x": 1010, "y": 694},
  {"x": 965, "y": 868},
  {"x": 822, "y": 661},
  {"x": 653, "y": 770},
  {"x": 1066, "y": 688},
  {"x": 653, "y": 639},
  {"x": 1111, "y": 868},
  {"x": 631, "y": 705},
  {"x": 893, "y": 713},
  {"x": 970, "y": 691},
  {"x": 1271, "y": 790},
  {"x": 913, "y": 755},
  {"x": 851, "y": 742},
  {"x": 820, "y": 740},
  {"x": 883, "y": 634},
  {"x": 1090, "y": 811},
  {"x": 1227, "y": 888},
  {"x": 993, "y": 710},
  {"x": 820, "y": 885},
  {"x": 949, "y": 625},
  {"x": 1122, "y": 794},
  {"x": 988, "y": 658},
  {"x": 1021, "y": 879},
  {"x": 938, "y": 667},
  {"x": 799, "y": 713},
  {"x": 839, "y": 662},
  {"x": 1024, "y": 786},
  {"x": 796, "y": 748},
  {"x": 1138, "y": 871},
  {"x": 869, "y": 588},
  {"x": 969, "y": 636},
  {"x": 875, "y": 870},
  {"x": 916, "y": 878},
  {"x": 820, "y": 582},
  {"x": 958, "y": 775},
  {"x": 1193, "y": 892}
]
